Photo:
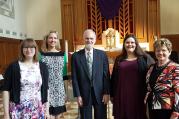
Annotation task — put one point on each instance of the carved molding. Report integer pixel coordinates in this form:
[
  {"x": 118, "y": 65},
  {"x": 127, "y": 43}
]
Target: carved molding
[{"x": 123, "y": 22}]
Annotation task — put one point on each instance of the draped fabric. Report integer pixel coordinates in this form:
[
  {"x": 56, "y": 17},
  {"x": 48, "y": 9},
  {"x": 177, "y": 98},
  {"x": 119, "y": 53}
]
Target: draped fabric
[{"x": 109, "y": 8}]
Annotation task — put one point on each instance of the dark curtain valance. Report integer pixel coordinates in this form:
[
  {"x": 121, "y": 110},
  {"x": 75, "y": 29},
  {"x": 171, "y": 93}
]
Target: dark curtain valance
[{"x": 109, "y": 8}]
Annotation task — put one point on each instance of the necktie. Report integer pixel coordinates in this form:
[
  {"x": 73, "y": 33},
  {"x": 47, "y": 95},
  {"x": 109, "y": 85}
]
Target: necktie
[{"x": 89, "y": 63}]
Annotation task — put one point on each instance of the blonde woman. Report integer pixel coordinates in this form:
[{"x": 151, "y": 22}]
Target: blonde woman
[
  {"x": 56, "y": 62},
  {"x": 163, "y": 83}
]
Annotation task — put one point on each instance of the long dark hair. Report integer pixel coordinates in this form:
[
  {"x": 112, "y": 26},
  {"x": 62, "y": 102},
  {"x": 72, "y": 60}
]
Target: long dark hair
[{"x": 138, "y": 50}]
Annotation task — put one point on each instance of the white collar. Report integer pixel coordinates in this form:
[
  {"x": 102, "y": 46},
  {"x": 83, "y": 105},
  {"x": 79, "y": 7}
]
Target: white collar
[{"x": 91, "y": 51}]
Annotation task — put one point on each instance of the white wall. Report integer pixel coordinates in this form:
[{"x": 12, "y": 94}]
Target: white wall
[
  {"x": 33, "y": 18},
  {"x": 43, "y": 16},
  {"x": 17, "y": 24},
  {"x": 169, "y": 16}
]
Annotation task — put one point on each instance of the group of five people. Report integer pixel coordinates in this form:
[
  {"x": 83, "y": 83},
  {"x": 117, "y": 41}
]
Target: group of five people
[{"x": 34, "y": 85}]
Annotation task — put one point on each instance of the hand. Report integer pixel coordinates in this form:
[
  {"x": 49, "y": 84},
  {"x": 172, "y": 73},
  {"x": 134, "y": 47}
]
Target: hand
[
  {"x": 47, "y": 116},
  {"x": 112, "y": 99},
  {"x": 66, "y": 98},
  {"x": 174, "y": 115},
  {"x": 6, "y": 116},
  {"x": 105, "y": 99},
  {"x": 80, "y": 101},
  {"x": 145, "y": 99},
  {"x": 69, "y": 82},
  {"x": 46, "y": 110}
]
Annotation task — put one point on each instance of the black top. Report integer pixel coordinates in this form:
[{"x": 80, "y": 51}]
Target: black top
[
  {"x": 152, "y": 81},
  {"x": 12, "y": 84},
  {"x": 143, "y": 64},
  {"x": 155, "y": 74},
  {"x": 60, "y": 53}
]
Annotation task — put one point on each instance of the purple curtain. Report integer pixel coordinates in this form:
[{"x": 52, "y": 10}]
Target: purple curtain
[{"x": 109, "y": 8}]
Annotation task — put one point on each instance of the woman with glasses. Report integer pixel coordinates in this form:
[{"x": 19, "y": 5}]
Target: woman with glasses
[
  {"x": 163, "y": 83},
  {"x": 25, "y": 85},
  {"x": 56, "y": 61}
]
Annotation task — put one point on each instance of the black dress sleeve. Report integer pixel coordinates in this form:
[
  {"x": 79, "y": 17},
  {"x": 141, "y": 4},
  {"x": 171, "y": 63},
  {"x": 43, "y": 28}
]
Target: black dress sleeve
[
  {"x": 114, "y": 77},
  {"x": 45, "y": 77},
  {"x": 7, "y": 81}
]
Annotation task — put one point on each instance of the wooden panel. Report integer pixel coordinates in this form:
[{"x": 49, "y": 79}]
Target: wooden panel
[
  {"x": 9, "y": 52},
  {"x": 68, "y": 23},
  {"x": 140, "y": 15},
  {"x": 2, "y": 56},
  {"x": 174, "y": 39},
  {"x": 80, "y": 20},
  {"x": 153, "y": 21},
  {"x": 95, "y": 19},
  {"x": 126, "y": 18},
  {"x": 123, "y": 22},
  {"x": 39, "y": 43},
  {"x": 113, "y": 54}
]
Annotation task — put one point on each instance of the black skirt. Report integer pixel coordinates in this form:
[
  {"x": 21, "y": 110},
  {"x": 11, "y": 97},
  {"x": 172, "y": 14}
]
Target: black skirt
[
  {"x": 158, "y": 113},
  {"x": 57, "y": 110}
]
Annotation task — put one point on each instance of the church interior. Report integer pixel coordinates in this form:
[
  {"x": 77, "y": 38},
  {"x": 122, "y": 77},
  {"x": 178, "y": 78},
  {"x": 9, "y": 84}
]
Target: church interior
[{"x": 148, "y": 20}]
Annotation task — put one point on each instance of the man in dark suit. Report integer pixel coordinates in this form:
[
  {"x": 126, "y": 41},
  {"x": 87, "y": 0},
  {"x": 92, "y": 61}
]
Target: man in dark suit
[{"x": 90, "y": 78}]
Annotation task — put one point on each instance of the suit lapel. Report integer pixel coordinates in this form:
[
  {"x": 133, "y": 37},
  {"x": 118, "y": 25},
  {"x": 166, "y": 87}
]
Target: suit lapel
[
  {"x": 95, "y": 65},
  {"x": 84, "y": 62}
]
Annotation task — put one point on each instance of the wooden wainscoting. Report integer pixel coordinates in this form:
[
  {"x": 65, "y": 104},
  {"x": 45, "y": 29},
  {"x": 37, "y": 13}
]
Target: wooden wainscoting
[
  {"x": 9, "y": 51},
  {"x": 174, "y": 38}
]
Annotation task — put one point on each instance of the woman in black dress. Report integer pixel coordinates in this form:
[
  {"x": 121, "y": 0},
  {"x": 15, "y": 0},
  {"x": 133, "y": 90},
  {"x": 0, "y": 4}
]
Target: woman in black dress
[{"x": 128, "y": 81}]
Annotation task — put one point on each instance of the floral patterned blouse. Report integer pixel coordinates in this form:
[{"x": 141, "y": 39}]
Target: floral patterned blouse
[
  {"x": 30, "y": 106},
  {"x": 165, "y": 92}
]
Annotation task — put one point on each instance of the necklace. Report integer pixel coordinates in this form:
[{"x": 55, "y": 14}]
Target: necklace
[
  {"x": 131, "y": 59},
  {"x": 163, "y": 66}
]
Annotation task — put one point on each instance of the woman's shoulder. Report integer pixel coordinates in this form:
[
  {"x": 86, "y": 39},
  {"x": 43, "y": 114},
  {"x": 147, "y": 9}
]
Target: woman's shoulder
[
  {"x": 42, "y": 64},
  {"x": 12, "y": 67},
  {"x": 14, "y": 64},
  {"x": 148, "y": 59},
  {"x": 145, "y": 56},
  {"x": 172, "y": 66},
  {"x": 172, "y": 63},
  {"x": 119, "y": 58}
]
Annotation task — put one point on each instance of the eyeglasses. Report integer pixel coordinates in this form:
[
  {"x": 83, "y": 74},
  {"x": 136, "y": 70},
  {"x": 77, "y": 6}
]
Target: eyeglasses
[{"x": 29, "y": 47}]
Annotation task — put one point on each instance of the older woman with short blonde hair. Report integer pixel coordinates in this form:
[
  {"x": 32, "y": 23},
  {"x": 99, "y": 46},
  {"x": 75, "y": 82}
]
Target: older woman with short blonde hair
[{"x": 163, "y": 83}]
